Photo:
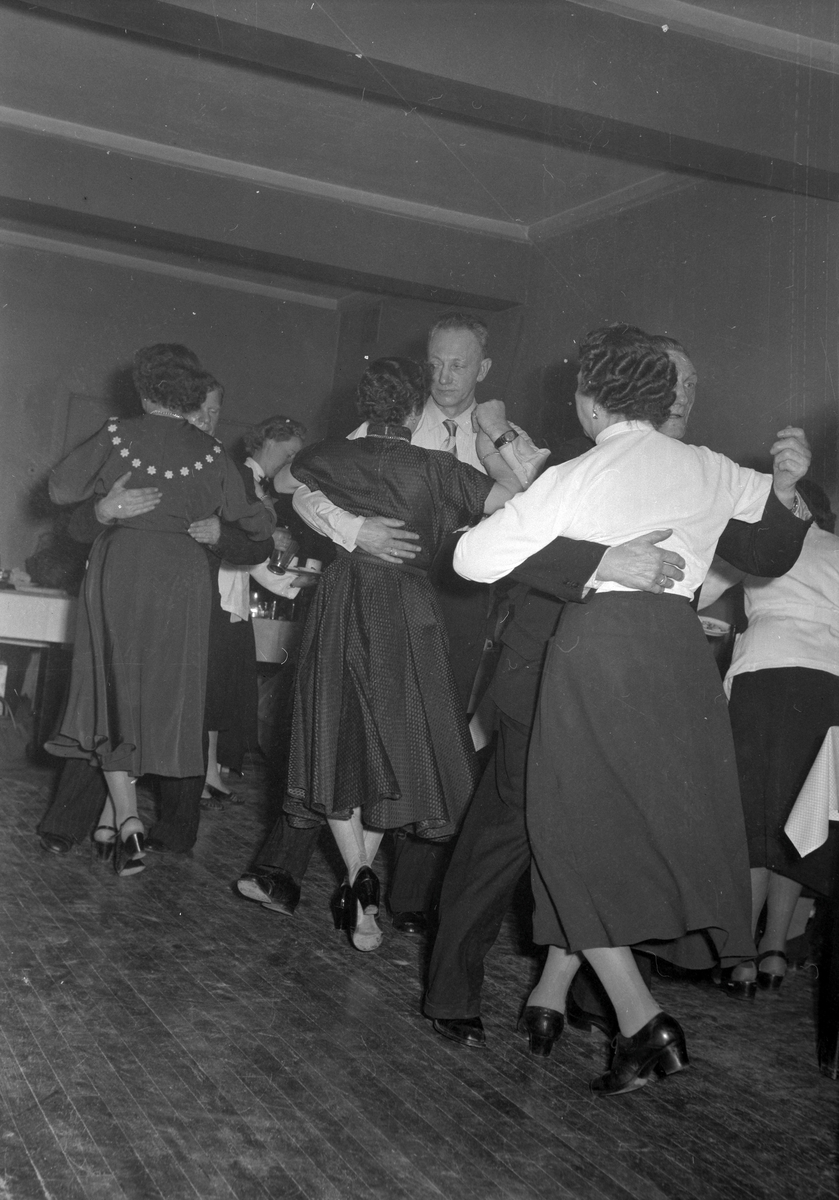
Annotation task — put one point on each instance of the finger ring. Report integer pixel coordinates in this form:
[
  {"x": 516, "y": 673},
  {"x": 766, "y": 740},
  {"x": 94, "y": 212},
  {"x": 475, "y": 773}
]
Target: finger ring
[{"x": 663, "y": 579}]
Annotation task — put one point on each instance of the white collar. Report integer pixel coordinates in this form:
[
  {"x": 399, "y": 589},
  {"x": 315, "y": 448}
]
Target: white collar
[
  {"x": 623, "y": 427},
  {"x": 433, "y": 412}
]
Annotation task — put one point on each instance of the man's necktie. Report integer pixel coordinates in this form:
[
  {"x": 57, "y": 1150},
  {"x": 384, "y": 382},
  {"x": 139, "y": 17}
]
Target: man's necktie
[{"x": 450, "y": 444}]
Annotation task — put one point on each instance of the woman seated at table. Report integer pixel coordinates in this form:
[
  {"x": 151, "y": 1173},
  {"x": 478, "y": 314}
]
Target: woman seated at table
[
  {"x": 632, "y": 803},
  {"x": 379, "y": 740},
  {"x": 784, "y": 688},
  {"x": 138, "y": 680}
]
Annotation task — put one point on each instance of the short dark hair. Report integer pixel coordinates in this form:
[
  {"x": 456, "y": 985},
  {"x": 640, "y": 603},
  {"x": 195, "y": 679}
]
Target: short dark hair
[
  {"x": 152, "y": 363},
  {"x": 211, "y": 384},
  {"x": 463, "y": 320},
  {"x": 391, "y": 389},
  {"x": 625, "y": 374},
  {"x": 273, "y": 429}
]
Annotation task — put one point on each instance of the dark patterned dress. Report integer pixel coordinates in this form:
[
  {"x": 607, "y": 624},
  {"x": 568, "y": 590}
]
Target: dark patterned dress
[
  {"x": 138, "y": 682},
  {"x": 377, "y": 721}
]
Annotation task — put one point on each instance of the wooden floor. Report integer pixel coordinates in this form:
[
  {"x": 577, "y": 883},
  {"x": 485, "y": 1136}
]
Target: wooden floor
[{"x": 162, "y": 1037}]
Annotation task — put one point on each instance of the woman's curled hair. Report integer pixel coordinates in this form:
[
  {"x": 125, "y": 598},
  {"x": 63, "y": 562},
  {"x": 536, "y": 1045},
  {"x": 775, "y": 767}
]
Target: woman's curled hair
[
  {"x": 391, "y": 389},
  {"x": 273, "y": 429},
  {"x": 625, "y": 374}
]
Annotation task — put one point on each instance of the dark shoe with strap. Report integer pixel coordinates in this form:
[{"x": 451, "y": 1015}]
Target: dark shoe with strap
[
  {"x": 466, "y": 1031},
  {"x": 271, "y": 887},
  {"x": 56, "y": 843},
  {"x": 365, "y": 890},
  {"x": 542, "y": 1027},
  {"x": 767, "y": 980},
  {"x": 341, "y": 906},
  {"x": 580, "y": 1018},
  {"x": 658, "y": 1048},
  {"x": 414, "y": 924}
]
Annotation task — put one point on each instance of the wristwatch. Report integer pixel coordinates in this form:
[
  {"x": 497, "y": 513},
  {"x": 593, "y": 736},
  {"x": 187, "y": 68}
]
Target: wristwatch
[{"x": 509, "y": 435}]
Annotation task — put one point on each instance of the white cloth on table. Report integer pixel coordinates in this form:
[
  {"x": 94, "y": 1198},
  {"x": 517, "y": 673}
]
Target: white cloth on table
[
  {"x": 634, "y": 481},
  {"x": 808, "y": 824}
]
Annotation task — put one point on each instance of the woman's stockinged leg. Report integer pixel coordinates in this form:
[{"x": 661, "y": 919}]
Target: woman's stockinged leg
[
  {"x": 556, "y": 978},
  {"x": 129, "y": 851},
  {"x": 358, "y": 847},
  {"x": 650, "y": 1042}
]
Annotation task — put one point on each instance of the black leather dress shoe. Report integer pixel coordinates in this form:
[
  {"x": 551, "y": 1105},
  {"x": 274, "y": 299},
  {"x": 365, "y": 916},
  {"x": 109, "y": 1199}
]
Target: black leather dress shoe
[
  {"x": 56, "y": 843},
  {"x": 415, "y": 924},
  {"x": 271, "y": 887},
  {"x": 466, "y": 1031}
]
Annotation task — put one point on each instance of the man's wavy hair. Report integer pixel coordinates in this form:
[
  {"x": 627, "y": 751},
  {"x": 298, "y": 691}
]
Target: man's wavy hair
[
  {"x": 273, "y": 429},
  {"x": 626, "y": 374},
  {"x": 169, "y": 374},
  {"x": 391, "y": 389}
]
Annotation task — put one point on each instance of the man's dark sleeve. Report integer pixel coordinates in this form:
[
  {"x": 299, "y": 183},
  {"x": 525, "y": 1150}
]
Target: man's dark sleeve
[
  {"x": 562, "y": 568},
  {"x": 769, "y": 546}
]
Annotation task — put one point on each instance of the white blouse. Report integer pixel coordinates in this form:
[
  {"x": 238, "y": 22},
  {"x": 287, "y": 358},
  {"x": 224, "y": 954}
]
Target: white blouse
[
  {"x": 633, "y": 482},
  {"x": 793, "y": 620}
]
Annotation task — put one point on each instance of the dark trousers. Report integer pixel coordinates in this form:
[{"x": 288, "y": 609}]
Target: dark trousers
[
  {"x": 288, "y": 848},
  {"x": 490, "y": 856},
  {"x": 81, "y": 791}
]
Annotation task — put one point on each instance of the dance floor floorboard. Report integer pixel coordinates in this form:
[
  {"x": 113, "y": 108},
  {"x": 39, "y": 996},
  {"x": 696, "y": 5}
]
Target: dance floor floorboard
[{"x": 162, "y": 1037}]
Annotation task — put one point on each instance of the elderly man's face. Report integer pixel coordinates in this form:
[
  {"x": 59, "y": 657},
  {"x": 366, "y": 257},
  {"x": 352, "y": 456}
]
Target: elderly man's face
[
  {"x": 676, "y": 424},
  {"x": 456, "y": 366}
]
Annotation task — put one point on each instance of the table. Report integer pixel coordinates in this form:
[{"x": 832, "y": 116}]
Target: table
[
  {"x": 44, "y": 620},
  {"x": 807, "y": 827}
]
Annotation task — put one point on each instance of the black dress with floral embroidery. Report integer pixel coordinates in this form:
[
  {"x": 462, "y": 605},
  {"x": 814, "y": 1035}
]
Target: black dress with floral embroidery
[
  {"x": 377, "y": 720},
  {"x": 138, "y": 682}
]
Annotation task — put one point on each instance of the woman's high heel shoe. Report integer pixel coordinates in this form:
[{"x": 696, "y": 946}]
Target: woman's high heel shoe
[
  {"x": 341, "y": 906},
  {"x": 103, "y": 847},
  {"x": 767, "y": 979},
  {"x": 542, "y": 1027},
  {"x": 365, "y": 890},
  {"x": 658, "y": 1047},
  {"x": 741, "y": 989},
  {"x": 129, "y": 851}
]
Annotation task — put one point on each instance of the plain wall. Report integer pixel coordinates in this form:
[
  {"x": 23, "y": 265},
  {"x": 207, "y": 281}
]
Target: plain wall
[
  {"x": 71, "y": 326},
  {"x": 745, "y": 278}
]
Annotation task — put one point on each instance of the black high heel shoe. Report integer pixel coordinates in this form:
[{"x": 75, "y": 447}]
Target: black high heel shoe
[
  {"x": 658, "y": 1047},
  {"x": 129, "y": 852},
  {"x": 341, "y": 906},
  {"x": 542, "y": 1027},
  {"x": 766, "y": 979},
  {"x": 740, "y": 989},
  {"x": 365, "y": 890},
  {"x": 103, "y": 847}
]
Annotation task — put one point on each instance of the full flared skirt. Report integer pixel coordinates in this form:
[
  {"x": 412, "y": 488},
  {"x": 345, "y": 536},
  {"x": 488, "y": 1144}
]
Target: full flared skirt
[
  {"x": 633, "y": 806},
  {"x": 377, "y": 723}
]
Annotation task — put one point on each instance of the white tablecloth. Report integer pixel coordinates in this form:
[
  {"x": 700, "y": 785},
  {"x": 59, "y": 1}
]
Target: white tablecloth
[{"x": 818, "y": 801}]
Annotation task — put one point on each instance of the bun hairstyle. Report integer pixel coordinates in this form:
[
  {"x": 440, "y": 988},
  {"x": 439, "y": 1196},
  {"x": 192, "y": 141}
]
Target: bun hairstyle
[
  {"x": 391, "y": 389},
  {"x": 626, "y": 374}
]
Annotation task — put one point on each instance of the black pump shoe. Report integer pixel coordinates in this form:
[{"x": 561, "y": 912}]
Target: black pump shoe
[
  {"x": 658, "y": 1047},
  {"x": 341, "y": 906},
  {"x": 542, "y": 1027},
  {"x": 129, "y": 852},
  {"x": 740, "y": 989},
  {"x": 365, "y": 891},
  {"x": 766, "y": 979}
]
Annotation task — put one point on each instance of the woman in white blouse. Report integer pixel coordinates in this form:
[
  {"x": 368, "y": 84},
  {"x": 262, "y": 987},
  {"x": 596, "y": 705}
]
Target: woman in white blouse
[{"x": 633, "y": 807}]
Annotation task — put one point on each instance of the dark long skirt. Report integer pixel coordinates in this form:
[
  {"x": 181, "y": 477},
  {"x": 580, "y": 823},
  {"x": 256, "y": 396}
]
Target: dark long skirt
[
  {"x": 779, "y": 718},
  {"x": 377, "y": 722},
  {"x": 633, "y": 808},
  {"x": 139, "y": 672}
]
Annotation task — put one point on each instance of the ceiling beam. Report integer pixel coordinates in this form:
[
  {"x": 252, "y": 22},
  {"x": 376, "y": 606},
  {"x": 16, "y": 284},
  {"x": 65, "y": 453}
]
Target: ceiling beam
[{"x": 748, "y": 125}]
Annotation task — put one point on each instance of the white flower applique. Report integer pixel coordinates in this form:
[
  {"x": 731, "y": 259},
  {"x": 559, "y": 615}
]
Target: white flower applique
[
  {"x": 112, "y": 429},
  {"x": 152, "y": 470},
  {"x": 184, "y": 470},
  {"x": 217, "y": 448},
  {"x": 168, "y": 475},
  {"x": 116, "y": 441},
  {"x": 208, "y": 457},
  {"x": 135, "y": 462},
  {"x": 199, "y": 466},
  {"x": 124, "y": 453}
]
